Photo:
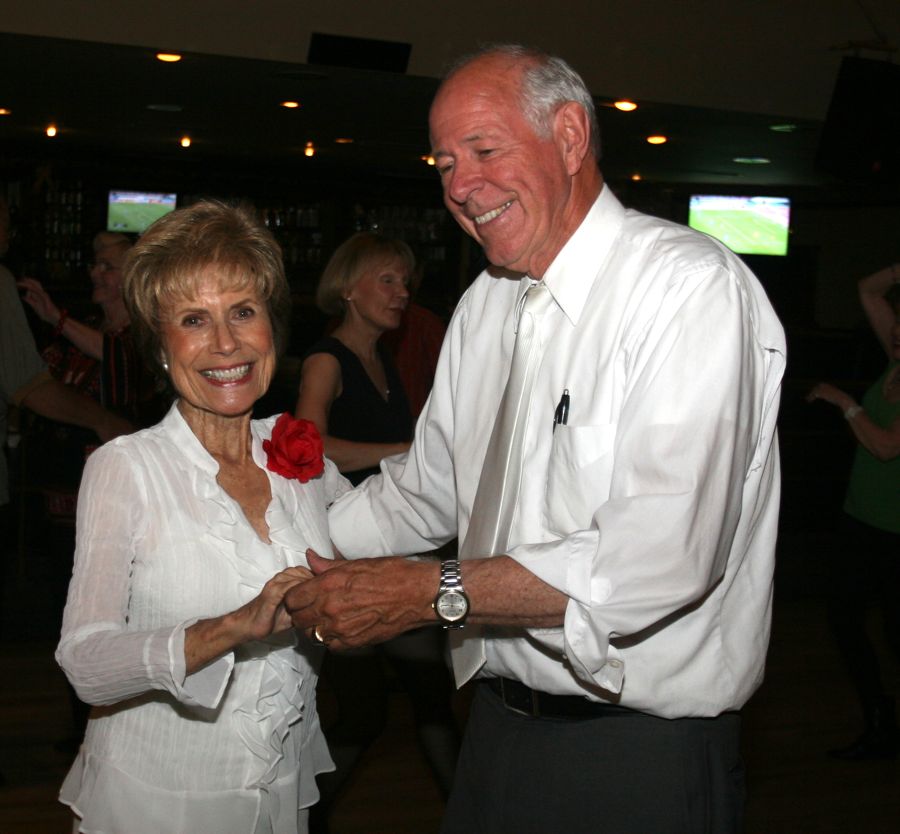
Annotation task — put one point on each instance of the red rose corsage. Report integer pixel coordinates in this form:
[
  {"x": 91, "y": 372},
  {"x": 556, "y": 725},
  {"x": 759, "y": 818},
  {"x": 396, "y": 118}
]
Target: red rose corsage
[{"x": 295, "y": 449}]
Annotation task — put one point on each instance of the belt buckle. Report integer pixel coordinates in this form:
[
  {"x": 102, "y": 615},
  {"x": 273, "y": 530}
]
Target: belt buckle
[{"x": 534, "y": 712}]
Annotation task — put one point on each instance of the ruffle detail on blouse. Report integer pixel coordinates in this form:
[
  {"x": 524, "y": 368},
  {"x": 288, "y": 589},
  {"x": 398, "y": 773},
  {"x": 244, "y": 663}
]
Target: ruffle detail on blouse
[
  {"x": 233, "y": 536},
  {"x": 271, "y": 732},
  {"x": 278, "y": 707},
  {"x": 287, "y": 677}
]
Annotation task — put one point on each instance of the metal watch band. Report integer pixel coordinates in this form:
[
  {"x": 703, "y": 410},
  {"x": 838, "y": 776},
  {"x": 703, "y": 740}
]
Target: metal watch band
[{"x": 451, "y": 579}]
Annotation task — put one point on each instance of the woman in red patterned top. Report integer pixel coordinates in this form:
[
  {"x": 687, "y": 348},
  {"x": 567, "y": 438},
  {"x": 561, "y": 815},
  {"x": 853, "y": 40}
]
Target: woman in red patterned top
[{"x": 95, "y": 355}]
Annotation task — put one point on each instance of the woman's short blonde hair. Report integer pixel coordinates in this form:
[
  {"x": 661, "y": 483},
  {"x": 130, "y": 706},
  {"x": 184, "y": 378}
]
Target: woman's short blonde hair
[
  {"x": 167, "y": 261},
  {"x": 348, "y": 263}
]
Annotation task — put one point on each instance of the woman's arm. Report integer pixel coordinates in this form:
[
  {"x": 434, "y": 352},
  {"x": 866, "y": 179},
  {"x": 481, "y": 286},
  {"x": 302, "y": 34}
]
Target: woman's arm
[
  {"x": 207, "y": 640},
  {"x": 878, "y": 311},
  {"x": 87, "y": 339},
  {"x": 884, "y": 444},
  {"x": 108, "y": 660},
  {"x": 320, "y": 386}
]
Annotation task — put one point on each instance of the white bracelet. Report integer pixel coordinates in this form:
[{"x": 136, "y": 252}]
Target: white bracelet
[{"x": 851, "y": 412}]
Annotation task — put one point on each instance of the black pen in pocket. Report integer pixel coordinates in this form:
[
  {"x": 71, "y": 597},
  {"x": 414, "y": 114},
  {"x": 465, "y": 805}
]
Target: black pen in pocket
[{"x": 561, "y": 415}]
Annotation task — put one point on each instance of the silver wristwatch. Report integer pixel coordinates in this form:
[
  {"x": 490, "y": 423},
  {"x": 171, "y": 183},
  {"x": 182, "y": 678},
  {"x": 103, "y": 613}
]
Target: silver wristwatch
[{"x": 451, "y": 603}]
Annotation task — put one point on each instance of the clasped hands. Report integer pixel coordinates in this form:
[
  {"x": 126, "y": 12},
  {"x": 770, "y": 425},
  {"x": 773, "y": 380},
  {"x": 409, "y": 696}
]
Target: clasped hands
[{"x": 347, "y": 604}]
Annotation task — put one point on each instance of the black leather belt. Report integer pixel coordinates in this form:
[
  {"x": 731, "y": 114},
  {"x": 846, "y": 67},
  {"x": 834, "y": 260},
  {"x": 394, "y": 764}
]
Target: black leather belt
[{"x": 526, "y": 701}]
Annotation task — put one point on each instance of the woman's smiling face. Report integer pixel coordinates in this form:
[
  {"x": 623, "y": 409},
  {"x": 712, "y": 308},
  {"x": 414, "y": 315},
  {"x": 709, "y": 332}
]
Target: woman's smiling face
[{"x": 218, "y": 345}]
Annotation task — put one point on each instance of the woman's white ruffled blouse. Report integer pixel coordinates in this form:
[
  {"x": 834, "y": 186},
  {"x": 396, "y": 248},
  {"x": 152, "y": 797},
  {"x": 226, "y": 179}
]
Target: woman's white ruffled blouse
[{"x": 234, "y": 747}]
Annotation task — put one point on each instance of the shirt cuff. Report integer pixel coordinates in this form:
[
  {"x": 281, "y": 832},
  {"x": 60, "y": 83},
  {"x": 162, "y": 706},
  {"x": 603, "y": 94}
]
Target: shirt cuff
[
  {"x": 566, "y": 564},
  {"x": 203, "y": 688}
]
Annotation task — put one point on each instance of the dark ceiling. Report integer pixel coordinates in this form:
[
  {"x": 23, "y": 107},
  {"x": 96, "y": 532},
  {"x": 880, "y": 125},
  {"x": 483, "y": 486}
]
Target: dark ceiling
[{"x": 109, "y": 99}]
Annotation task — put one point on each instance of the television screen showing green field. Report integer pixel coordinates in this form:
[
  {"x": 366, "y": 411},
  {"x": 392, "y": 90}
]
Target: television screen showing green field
[
  {"x": 746, "y": 225},
  {"x": 134, "y": 211}
]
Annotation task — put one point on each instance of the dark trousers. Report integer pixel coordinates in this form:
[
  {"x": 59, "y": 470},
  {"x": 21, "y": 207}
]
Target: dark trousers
[
  {"x": 866, "y": 571},
  {"x": 622, "y": 773}
]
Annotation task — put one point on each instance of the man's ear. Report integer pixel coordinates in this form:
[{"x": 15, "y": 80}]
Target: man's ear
[{"x": 572, "y": 129}]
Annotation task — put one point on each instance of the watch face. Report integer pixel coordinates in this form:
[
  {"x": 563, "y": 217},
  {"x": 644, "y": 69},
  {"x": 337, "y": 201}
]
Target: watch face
[{"x": 452, "y": 606}]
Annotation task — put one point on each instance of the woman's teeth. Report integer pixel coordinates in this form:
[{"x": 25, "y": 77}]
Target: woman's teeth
[{"x": 229, "y": 375}]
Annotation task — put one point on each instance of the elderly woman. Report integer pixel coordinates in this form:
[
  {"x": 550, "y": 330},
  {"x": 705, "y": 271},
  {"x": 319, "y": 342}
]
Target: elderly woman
[
  {"x": 96, "y": 356},
  {"x": 110, "y": 250},
  {"x": 189, "y": 535}
]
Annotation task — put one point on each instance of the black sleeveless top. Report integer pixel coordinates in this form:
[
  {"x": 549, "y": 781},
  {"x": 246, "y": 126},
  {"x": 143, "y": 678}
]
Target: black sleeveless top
[{"x": 360, "y": 413}]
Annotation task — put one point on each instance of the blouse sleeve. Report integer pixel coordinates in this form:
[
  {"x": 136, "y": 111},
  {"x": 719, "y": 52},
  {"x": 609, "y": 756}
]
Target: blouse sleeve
[{"x": 105, "y": 661}]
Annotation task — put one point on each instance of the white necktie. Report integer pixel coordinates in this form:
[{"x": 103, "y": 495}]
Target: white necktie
[{"x": 498, "y": 487}]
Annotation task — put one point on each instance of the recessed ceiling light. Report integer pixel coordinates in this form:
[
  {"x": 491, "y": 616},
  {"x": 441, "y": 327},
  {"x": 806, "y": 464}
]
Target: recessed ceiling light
[
  {"x": 636, "y": 177},
  {"x": 785, "y": 128},
  {"x": 657, "y": 139},
  {"x": 51, "y": 131},
  {"x": 343, "y": 140},
  {"x": 310, "y": 149},
  {"x": 168, "y": 57},
  {"x": 290, "y": 105},
  {"x": 5, "y": 111},
  {"x": 185, "y": 141},
  {"x": 625, "y": 105},
  {"x": 427, "y": 159},
  {"x": 751, "y": 160}
]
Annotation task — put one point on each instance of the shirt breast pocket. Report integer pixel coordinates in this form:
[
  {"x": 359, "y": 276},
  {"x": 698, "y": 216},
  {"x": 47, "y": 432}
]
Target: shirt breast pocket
[{"x": 579, "y": 476}]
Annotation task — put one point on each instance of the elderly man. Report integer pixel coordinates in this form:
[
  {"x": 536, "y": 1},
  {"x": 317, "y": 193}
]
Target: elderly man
[{"x": 617, "y": 516}]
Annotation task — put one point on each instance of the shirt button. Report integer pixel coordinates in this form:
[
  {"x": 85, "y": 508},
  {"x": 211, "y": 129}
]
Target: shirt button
[{"x": 616, "y": 664}]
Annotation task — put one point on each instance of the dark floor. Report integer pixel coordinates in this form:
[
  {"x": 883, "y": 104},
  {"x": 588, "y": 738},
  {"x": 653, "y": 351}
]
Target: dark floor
[{"x": 804, "y": 707}]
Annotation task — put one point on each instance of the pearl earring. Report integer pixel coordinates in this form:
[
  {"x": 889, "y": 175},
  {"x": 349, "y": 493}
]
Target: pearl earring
[{"x": 165, "y": 365}]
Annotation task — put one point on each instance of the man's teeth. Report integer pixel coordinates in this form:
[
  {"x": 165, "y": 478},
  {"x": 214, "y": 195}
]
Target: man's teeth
[
  {"x": 490, "y": 215},
  {"x": 227, "y": 376}
]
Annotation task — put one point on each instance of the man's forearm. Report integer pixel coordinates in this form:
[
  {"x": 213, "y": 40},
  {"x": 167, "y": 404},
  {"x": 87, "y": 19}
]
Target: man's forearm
[
  {"x": 502, "y": 592},
  {"x": 367, "y": 601},
  {"x": 58, "y": 402}
]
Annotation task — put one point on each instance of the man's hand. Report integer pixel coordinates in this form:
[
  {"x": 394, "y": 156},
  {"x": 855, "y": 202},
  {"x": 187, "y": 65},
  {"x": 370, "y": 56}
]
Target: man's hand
[{"x": 363, "y": 601}]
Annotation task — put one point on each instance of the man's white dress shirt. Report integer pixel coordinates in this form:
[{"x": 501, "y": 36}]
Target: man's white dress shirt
[{"x": 655, "y": 508}]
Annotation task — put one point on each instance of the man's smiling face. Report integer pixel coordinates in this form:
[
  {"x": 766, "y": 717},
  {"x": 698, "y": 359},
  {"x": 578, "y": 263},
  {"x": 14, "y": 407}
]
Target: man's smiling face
[{"x": 505, "y": 185}]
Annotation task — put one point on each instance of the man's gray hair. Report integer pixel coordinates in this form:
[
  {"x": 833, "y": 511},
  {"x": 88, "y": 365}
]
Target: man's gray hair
[{"x": 548, "y": 82}]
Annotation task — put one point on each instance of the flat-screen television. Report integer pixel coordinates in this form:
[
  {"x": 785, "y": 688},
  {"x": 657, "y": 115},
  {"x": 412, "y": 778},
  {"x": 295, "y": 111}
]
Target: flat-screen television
[
  {"x": 746, "y": 225},
  {"x": 134, "y": 211}
]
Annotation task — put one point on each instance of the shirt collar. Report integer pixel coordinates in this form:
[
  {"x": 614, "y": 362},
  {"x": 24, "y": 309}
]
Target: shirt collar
[
  {"x": 571, "y": 275},
  {"x": 192, "y": 451}
]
